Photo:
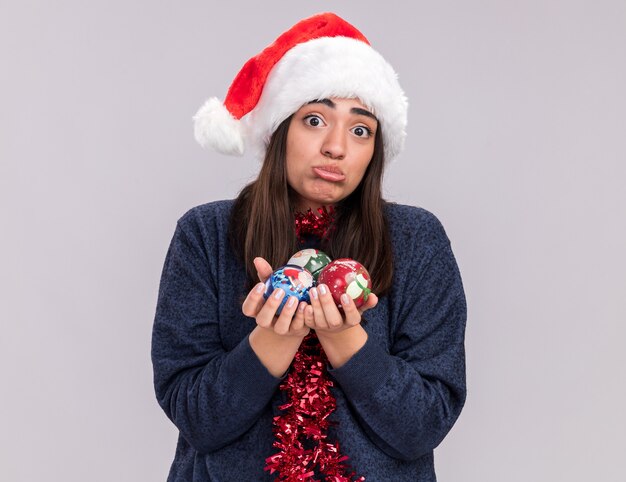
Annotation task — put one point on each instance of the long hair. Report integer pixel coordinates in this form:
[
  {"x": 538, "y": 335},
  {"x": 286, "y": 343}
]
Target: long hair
[{"x": 262, "y": 218}]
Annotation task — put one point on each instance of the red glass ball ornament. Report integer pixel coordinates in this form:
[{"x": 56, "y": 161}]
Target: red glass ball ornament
[{"x": 347, "y": 276}]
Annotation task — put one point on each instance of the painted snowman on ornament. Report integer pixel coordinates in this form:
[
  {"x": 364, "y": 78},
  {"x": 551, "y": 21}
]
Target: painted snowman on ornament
[
  {"x": 347, "y": 276},
  {"x": 312, "y": 260}
]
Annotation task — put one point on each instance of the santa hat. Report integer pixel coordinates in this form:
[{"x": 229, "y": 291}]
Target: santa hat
[{"x": 319, "y": 57}]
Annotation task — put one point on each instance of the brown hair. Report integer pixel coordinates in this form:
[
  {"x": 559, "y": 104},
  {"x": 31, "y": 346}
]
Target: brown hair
[{"x": 262, "y": 218}]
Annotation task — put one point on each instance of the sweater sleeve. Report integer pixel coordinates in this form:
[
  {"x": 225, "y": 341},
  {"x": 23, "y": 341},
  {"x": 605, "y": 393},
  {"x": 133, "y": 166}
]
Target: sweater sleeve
[
  {"x": 211, "y": 395},
  {"x": 408, "y": 400}
]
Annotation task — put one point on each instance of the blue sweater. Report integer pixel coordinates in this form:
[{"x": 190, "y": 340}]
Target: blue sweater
[{"x": 397, "y": 397}]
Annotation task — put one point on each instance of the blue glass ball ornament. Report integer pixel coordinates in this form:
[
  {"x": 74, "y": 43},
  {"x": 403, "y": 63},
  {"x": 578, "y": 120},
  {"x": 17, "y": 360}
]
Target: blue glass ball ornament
[{"x": 294, "y": 280}]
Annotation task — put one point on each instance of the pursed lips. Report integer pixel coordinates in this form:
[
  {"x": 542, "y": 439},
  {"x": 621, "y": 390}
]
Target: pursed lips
[
  {"x": 329, "y": 173},
  {"x": 330, "y": 168}
]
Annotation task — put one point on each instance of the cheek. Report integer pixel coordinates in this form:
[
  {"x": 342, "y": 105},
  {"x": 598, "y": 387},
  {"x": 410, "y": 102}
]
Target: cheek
[
  {"x": 296, "y": 163},
  {"x": 294, "y": 172},
  {"x": 365, "y": 161},
  {"x": 290, "y": 162}
]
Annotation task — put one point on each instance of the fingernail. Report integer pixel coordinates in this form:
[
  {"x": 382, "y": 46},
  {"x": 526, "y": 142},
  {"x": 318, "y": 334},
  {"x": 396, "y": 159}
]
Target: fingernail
[
  {"x": 302, "y": 307},
  {"x": 259, "y": 288},
  {"x": 291, "y": 301},
  {"x": 345, "y": 300},
  {"x": 314, "y": 293},
  {"x": 323, "y": 289},
  {"x": 278, "y": 294}
]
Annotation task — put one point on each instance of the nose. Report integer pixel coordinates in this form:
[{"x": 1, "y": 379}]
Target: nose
[{"x": 334, "y": 145}]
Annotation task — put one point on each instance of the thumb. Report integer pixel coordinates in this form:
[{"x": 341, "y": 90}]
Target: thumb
[
  {"x": 372, "y": 301},
  {"x": 263, "y": 268}
]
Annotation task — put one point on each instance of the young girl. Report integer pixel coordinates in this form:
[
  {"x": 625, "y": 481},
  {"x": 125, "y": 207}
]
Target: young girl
[{"x": 318, "y": 392}]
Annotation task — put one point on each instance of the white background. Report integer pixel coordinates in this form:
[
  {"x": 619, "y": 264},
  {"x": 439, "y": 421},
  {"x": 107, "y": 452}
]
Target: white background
[{"x": 516, "y": 141}]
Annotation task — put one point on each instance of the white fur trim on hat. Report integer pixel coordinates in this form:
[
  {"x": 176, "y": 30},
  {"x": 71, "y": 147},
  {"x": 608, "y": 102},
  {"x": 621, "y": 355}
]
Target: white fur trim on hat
[
  {"x": 323, "y": 68},
  {"x": 215, "y": 127}
]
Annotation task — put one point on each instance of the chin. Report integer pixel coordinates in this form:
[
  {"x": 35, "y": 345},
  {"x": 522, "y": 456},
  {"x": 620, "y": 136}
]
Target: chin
[
  {"x": 321, "y": 194},
  {"x": 328, "y": 200}
]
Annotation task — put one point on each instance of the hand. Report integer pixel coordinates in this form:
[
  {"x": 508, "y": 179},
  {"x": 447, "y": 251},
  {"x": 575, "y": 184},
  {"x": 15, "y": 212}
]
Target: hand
[
  {"x": 324, "y": 316},
  {"x": 290, "y": 322}
]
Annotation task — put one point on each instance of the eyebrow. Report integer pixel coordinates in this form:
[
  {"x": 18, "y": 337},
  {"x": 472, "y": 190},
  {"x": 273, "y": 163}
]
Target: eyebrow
[{"x": 353, "y": 110}]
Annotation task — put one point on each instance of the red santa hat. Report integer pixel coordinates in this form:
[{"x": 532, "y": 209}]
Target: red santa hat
[{"x": 322, "y": 56}]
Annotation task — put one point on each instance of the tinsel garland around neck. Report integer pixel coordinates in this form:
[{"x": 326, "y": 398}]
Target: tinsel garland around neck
[
  {"x": 310, "y": 223},
  {"x": 301, "y": 431}
]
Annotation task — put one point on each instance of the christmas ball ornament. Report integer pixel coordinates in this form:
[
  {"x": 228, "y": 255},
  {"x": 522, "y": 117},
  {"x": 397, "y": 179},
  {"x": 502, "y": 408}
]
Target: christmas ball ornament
[
  {"x": 312, "y": 260},
  {"x": 347, "y": 276},
  {"x": 293, "y": 279}
]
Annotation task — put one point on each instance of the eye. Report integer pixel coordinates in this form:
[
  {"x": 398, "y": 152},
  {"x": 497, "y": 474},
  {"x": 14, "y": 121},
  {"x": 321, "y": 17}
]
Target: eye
[
  {"x": 362, "y": 131},
  {"x": 313, "y": 120}
]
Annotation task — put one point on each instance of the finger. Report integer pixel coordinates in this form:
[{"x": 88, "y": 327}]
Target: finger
[
  {"x": 372, "y": 301},
  {"x": 266, "y": 315},
  {"x": 331, "y": 312},
  {"x": 263, "y": 268},
  {"x": 254, "y": 301},
  {"x": 297, "y": 323},
  {"x": 309, "y": 317},
  {"x": 318, "y": 311},
  {"x": 353, "y": 316},
  {"x": 281, "y": 327}
]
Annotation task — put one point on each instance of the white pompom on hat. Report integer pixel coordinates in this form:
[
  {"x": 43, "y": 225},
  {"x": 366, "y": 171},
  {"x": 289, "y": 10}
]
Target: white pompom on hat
[{"x": 320, "y": 57}]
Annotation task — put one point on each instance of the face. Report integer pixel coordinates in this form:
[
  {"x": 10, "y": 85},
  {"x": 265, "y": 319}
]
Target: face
[{"x": 329, "y": 146}]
